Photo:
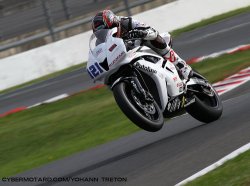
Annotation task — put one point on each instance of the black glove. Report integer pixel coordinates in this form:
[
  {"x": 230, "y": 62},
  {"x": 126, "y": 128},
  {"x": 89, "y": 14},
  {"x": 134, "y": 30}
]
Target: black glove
[{"x": 134, "y": 34}]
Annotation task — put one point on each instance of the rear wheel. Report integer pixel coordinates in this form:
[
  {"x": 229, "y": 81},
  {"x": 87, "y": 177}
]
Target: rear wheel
[
  {"x": 145, "y": 114},
  {"x": 207, "y": 106}
]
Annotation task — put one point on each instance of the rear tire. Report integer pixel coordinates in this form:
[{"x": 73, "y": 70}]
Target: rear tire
[
  {"x": 206, "y": 109},
  {"x": 146, "y": 116}
]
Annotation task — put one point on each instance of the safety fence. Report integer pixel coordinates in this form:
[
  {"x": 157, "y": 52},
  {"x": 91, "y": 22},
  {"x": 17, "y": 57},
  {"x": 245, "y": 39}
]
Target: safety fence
[{"x": 42, "y": 18}]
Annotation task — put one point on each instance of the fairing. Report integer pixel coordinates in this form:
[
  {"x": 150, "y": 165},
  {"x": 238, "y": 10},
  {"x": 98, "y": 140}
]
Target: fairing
[{"x": 107, "y": 49}]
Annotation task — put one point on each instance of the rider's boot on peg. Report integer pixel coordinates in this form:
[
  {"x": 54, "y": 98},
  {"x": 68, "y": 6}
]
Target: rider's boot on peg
[{"x": 180, "y": 64}]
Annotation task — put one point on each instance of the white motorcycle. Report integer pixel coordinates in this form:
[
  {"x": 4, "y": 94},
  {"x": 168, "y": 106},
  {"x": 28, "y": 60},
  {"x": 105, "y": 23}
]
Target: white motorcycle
[{"x": 147, "y": 88}]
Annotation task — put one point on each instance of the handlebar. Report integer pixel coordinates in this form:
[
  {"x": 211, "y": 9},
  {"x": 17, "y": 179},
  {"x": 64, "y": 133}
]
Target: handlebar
[{"x": 130, "y": 43}]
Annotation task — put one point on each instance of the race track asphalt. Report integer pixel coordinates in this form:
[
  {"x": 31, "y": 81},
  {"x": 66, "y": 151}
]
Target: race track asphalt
[{"x": 206, "y": 40}]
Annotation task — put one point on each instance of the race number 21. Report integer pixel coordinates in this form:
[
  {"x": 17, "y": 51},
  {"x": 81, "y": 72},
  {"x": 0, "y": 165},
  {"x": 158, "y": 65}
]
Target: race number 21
[{"x": 94, "y": 70}]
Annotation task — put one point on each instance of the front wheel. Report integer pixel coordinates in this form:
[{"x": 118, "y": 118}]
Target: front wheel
[{"x": 146, "y": 115}]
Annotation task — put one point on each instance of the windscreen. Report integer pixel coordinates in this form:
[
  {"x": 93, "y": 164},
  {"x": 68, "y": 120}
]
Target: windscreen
[{"x": 97, "y": 38}]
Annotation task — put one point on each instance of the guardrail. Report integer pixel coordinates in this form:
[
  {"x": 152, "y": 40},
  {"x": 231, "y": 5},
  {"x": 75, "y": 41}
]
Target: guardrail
[{"x": 31, "y": 15}]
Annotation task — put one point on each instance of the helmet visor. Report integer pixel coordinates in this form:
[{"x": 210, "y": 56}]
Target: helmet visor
[{"x": 98, "y": 24}]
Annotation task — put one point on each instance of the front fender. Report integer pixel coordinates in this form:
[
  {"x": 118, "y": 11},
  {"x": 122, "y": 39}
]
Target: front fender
[
  {"x": 196, "y": 81},
  {"x": 120, "y": 79}
]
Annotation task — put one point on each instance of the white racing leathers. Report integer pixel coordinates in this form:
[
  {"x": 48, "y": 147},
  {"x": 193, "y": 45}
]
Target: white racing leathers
[{"x": 159, "y": 43}]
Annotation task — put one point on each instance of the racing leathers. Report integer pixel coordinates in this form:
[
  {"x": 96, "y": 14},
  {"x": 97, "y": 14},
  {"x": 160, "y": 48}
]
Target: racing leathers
[{"x": 131, "y": 28}]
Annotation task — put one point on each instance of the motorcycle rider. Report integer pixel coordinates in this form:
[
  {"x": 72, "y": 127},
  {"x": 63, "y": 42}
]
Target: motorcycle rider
[{"x": 131, "y": 28}]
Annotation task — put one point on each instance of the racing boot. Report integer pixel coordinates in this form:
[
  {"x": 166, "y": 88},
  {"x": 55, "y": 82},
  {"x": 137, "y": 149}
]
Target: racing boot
[{"x": 180, "y": 64}]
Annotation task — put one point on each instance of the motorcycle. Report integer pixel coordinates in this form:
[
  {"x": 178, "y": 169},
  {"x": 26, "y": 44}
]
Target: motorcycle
[{"x": 145, "y": 86}]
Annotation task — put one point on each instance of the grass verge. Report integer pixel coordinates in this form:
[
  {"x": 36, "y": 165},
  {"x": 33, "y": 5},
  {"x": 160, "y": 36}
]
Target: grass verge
[
  {"x": 174, "y": 33},
  {"x": 235, "y": 172},
  {"x": 48, "y": 132}
]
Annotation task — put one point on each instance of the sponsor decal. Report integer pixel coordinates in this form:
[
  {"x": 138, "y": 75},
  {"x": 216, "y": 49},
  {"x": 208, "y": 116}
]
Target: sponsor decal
[
  {"x": 132, "y": 54},
  {"x": 98, "y": 51},
  {"x": 171, "y": 57},
  {"x": 180, "y": 86},
  {"x": 112, "y": 47},
  {"x": 146, "y": 68},
  {"x": 117, "y": 58}
]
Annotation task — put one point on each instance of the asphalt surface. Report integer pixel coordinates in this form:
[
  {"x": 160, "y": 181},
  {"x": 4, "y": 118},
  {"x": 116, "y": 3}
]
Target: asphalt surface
[
  {"x": 225, "y": 34},
  {"x": 212, "y": 38},
  {"x": 67, "y": 83},
  {"x": 183, "y": 147}
]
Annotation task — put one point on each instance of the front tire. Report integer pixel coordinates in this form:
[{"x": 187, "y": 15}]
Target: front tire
[{"x": 147, "y": 116}]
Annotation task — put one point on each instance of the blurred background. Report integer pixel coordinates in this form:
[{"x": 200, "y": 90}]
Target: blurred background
[{"x": 28, "y": 24}]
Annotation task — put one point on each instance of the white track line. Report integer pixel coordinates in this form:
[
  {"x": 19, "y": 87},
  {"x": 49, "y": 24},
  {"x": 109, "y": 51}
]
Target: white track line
[
  {"x": 216, "y": 164},
  {"x": 56, "y": 98},
  {"x": 218, "y": 32}
]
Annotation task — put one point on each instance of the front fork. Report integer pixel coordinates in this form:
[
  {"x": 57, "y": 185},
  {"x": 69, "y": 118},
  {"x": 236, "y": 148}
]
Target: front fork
[
  {"x": 134, "y": 77},
  {"x": 144, "y": 94}
]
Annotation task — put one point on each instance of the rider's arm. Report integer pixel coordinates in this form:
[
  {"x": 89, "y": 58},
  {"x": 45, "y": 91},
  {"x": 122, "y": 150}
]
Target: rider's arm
[
  {"x": 151, "y": 32},
  {"x": 129, "y": 24}
]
